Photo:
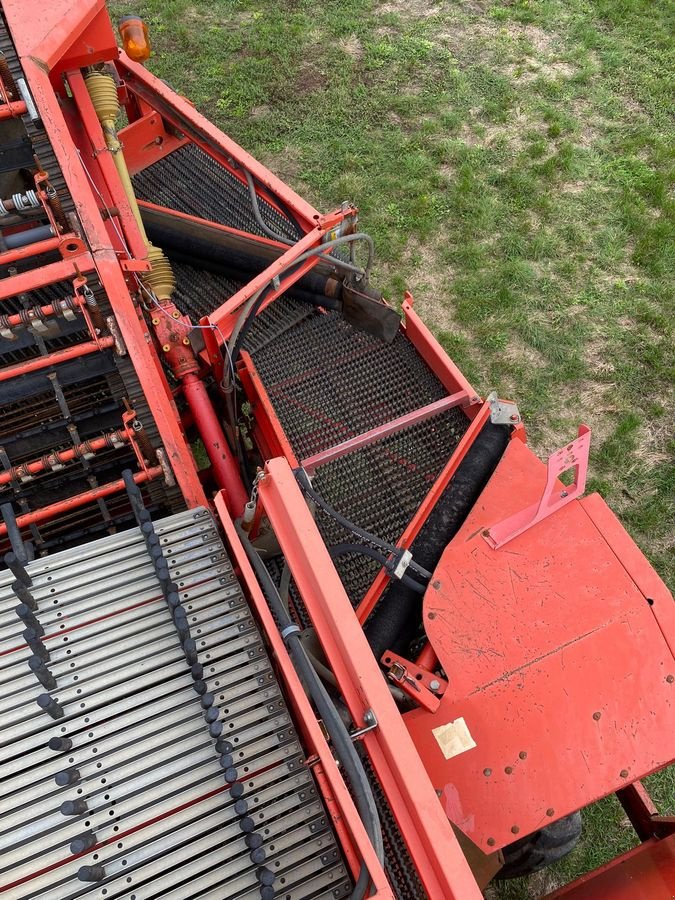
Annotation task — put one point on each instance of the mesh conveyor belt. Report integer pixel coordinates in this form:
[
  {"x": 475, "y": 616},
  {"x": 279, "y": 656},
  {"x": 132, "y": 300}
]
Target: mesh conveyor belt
[
  {"x": 156, "y": 799},
  {"x": 189, "y": 181},
  {"x": 381, "y": 486},
  {"x": 329, "y": 382}
]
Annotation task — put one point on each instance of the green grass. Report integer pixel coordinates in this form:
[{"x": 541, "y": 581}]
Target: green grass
[{"x": 514, "y": 162}]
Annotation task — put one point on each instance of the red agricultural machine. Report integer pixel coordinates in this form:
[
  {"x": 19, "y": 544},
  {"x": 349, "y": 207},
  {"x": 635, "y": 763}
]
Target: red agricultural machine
[{"x": 370, "y": 646}]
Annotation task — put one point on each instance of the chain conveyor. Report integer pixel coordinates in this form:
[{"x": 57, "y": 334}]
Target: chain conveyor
[{"x": 147, "y": 748}]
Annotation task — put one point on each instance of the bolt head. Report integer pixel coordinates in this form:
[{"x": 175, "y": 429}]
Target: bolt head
[
  {"x": 491, "y": 842},
  {"x": 596, "y": 716},
  {"x": 523, "y": 754},
  {"x": 623, "y": 773},
  {"x": 550, "y": 811},
  {"x": 431, "y": 615},
  {"x": 487, "y": 772},
  {"x": 166, "y": 348},
  {"x": 434, "y": 684},
  {"x": 508, "y": 770},
  {"x": 670, "y": 679},
  {"x": 515, "y": 829}
]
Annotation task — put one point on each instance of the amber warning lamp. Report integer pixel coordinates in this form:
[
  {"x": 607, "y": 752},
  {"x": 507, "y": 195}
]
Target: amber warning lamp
[{"x": 134, "y": 34}]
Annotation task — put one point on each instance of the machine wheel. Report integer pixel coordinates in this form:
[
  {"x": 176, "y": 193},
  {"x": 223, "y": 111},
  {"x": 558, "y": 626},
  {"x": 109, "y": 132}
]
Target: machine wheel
[{"x": 531, "y": 853}]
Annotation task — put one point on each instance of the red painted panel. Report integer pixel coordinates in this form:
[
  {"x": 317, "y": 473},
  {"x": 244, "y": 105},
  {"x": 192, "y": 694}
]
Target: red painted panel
[
  {"x": 555, "y": 662},
  {"x": 645, "y": 873}
]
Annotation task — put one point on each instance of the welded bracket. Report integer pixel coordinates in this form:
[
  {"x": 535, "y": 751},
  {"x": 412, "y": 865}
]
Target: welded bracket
[
  {"x": 573, "y": 456},
  {"x": 502, "y": 412}
]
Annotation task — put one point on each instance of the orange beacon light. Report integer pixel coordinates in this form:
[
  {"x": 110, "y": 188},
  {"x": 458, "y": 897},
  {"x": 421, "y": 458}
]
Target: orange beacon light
[{"x": 134, "y": 34}]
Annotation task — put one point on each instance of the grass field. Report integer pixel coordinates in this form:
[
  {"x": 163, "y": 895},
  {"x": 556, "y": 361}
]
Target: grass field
[{"x": 513, "y": 161}]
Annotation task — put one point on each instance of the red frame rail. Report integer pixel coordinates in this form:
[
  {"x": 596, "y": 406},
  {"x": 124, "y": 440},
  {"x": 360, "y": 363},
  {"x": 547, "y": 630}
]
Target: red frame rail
[{"x": 438, "y": 858}]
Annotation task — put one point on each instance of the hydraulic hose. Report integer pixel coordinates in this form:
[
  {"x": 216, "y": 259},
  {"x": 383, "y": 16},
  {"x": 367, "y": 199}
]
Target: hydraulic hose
[
  {"x": 314, "y": 251},
  {"x": 342, "y": 742},
  {"x": 338, "y": 550},
  {"x": 305, "y": 485}
]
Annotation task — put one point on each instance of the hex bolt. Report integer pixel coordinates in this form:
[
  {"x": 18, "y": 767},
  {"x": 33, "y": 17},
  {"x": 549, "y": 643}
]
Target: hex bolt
[
  {"x": 491, "y": 842},
  {"x": 266, "y": 877},
  {"x": 60, "y": 743},
  {"x": 91, "y": 873},
  {"x": 212, "y": 714},
  {"x": 67, "y": 777},
  {"x": 17, "y": 568},
  {"x": 434, "y": 684},
  {"x": 25, "y": 613},
  {"x": 42, "y": 673},
  {"x": 24, "y": 595},
  {"x": 73, "y": 807},
  {"x": 550, "y": 811},
  {"x": 215, "y": 729},
  {"x": 50, "y": 706},
  {"x": 82, "y": 842}
]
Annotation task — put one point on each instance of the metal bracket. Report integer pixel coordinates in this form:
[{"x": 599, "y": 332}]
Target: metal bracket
[
  {"x": 502, "y": 412},
  {"x": 404, "y": 561},
  {"x": 424, "y": 687},
  {"x": 370, "y": 723},
  {"x": 573, "y": 456}
]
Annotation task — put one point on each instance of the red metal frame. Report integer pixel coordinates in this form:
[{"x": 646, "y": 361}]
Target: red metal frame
[
  {"x": 393, "y": 427},
  {"x": 438, "y": 858},
  {"x": 343, "y": 812},
  {"x": 183, "y": 116},
  {"x": 54, "y": 46},
  {"x": 53, "y": 359},
  {"x": 481, "y": 415},
  {"x": 62, "y": 507}
]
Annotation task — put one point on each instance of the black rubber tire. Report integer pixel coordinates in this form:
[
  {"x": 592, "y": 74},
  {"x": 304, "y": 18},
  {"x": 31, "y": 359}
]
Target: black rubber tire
[{"x": 540, "y": 849}]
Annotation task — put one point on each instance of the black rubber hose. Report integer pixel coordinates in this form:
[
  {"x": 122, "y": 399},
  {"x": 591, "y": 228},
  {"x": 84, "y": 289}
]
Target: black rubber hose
[
  {"x": 342, "y": 742},
  {"x": 303, "y": 480},
  {"x": 338, "y": 550},
  {"x": 395, "y": 621}
]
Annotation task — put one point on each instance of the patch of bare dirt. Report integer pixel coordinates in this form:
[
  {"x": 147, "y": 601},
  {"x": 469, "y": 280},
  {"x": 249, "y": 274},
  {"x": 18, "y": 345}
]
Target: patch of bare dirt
[
  {"x": 518, "y": 352},
  {"x": 411, "y": 9},
  {"x": 309, "y": 80},
  {"x": 531, "y": 69},
  {"x": 353, "y": 47},
  {"x": 431, "y": 285}
]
